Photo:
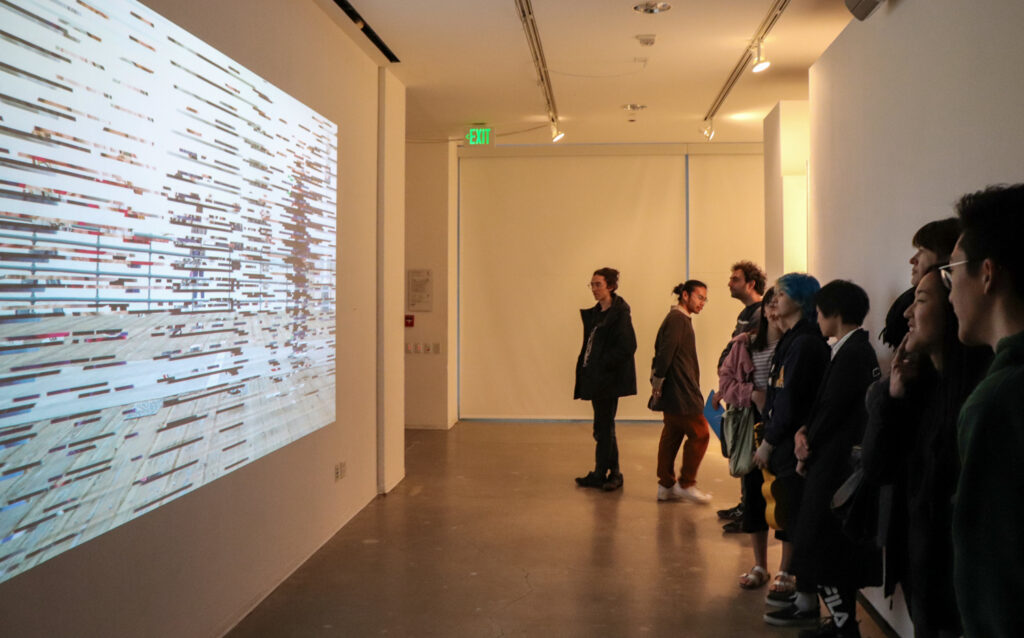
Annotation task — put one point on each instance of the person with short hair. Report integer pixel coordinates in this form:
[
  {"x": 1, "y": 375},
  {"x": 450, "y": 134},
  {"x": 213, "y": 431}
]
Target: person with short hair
[
  {"x": 986, "y": 281},
  {"x": 797, "y": 367},
  {"x": 934, "y": 242},
  {"x": 746, "y": 284},
  {"x": 823, "y": 556},
  {"x": 675, "y": 391},
  {"x": 605, "y": 371}
]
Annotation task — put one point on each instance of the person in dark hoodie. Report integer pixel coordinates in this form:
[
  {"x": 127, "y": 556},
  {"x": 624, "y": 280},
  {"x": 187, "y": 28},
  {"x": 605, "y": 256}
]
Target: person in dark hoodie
[
  {"x": 798, "y": 365},
  {"x": 822, "y": 554},
  {"x": 605, "y": 371}
]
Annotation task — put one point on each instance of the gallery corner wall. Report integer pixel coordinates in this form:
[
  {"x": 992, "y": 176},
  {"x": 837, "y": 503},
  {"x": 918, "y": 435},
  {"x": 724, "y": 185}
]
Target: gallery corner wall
[
  {"x": 196, "y": 565},
  {"x": 910, "y": 109}
]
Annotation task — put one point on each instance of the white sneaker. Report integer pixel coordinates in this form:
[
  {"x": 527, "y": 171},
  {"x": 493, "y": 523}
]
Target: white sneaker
[
  {"x": 693, "y": 495},
  {"x": 674, "y": 493}
]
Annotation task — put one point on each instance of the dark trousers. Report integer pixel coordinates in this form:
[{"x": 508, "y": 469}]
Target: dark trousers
[{"x": 606, "y": 455}]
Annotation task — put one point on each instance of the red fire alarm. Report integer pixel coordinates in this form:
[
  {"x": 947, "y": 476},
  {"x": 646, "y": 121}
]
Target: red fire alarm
[{"x": 410, "y": 321}]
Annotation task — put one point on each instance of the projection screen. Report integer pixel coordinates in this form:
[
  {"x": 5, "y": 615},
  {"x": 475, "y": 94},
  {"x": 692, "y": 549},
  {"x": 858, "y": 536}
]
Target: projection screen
[{"x": 167, "y": 270}]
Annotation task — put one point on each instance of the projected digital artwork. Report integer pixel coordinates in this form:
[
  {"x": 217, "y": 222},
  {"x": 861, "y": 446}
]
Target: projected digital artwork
[{"x": 167, "y": 268}]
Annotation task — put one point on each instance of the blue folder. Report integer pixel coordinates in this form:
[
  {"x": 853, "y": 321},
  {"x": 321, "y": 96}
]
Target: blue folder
[{"x": 714, "y": 416}]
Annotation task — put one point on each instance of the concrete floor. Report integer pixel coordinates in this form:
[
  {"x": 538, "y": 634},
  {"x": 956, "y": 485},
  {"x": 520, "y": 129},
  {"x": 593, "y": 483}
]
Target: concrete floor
[{"x": 489, "y": 536}]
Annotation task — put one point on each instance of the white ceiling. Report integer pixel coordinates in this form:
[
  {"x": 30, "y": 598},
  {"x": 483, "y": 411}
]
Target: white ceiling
[{"x": 467, "y": 61}]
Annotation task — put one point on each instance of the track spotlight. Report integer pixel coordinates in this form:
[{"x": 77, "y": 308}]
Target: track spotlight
[
  {"x": 708, "y": 130},
  {"x": 760, "y": 61},
  {"x": 555, "y": 133}
]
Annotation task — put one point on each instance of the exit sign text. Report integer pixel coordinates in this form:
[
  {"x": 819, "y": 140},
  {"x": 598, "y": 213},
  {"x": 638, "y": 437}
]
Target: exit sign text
[{"x": 477, "y": 136}]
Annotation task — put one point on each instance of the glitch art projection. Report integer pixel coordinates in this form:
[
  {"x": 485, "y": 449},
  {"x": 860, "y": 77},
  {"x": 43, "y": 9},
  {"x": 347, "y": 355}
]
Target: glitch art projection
[{"x": 168, "y": 232}]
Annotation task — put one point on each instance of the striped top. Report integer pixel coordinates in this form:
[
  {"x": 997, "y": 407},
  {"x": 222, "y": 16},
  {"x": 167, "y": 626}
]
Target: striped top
[{"x": 762, "y": 364}]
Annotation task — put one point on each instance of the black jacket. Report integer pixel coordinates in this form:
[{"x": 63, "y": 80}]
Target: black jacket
[
  {"x": 798, "y": 365},
  {"x": 822, "y": 553},
  {"x": 610, "y": 370}
]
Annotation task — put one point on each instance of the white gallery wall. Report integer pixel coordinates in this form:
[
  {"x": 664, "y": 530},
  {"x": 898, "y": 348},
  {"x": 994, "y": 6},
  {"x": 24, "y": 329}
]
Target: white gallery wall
[
  {"x": 535, "y": 225},
  {"x": 727, "y": 225},
  {"x": 196, "y": 565},
  {"x": 909, "y": 109}
]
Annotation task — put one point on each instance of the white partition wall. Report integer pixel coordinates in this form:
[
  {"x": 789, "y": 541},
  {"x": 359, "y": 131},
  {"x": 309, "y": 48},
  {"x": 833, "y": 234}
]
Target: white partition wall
[
  {"x": 726, "y": 226},
  {"x": 533, "y": 231},
  {"x": 533, "y": 227}
]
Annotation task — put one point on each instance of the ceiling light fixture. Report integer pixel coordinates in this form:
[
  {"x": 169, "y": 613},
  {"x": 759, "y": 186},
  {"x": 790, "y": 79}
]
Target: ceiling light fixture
[
  {"x": 646, "y": 39},
  {"x": 555, "y": 133},
  {"x": 769, "y": 21},
  {"x": 634, "y": 108},
  {"x": 525, "y": 9},
  {"x": 708, "y": 129},
  {"x": 652, "y": 7},
  {"x": 760, "y": 61}
]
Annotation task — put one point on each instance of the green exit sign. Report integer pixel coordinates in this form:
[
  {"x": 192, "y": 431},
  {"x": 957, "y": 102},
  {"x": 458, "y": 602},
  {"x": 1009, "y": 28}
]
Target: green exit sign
[{"x": 477, "y": 136}]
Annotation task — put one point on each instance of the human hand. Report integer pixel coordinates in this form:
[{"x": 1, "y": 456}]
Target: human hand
[
  {"x": 801, "y": 468},
  {"x": 656, "y": 384},
  {"x": 716, "y": 401},
  {"x": 758, "y": 397},
  {"x": 800, "y": 446},
  {"x": 903, "y": 368},
  {"x": 763, "y": 454}
]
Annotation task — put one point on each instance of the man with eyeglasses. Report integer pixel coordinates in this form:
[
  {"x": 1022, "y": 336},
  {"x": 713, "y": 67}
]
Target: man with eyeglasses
[{"x": 986, "y": 281}]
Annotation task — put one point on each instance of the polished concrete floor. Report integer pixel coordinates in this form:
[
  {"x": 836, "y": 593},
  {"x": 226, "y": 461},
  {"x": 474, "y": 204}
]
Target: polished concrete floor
[{"x": 489, "y": 536}]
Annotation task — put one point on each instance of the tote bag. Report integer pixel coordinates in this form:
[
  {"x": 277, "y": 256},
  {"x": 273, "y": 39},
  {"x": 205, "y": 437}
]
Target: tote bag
[{"x": 738, "y": 437}]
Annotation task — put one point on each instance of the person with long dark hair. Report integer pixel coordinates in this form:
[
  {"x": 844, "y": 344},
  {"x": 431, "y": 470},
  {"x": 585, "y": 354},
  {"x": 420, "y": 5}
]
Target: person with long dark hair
[
  {"x": 912, "y": 444},
  {"x": 605, "y": 371},
  {"x": 743, "y": 381}
]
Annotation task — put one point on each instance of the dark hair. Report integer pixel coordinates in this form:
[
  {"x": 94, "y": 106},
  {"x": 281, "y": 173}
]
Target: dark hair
[
  {"x": 751, "y": 272},
  {"x": 896, "y": 326},
  {"x": 938, "y": 236},
  {"x": 760, "y": 341},
  {"x": 843, "y": 298},
  {"x": 801, "y": 288},
  {"x": 688, "y": 288},
  {"x": 993, "y": 224},
  {"x": 611, "y": 277}
]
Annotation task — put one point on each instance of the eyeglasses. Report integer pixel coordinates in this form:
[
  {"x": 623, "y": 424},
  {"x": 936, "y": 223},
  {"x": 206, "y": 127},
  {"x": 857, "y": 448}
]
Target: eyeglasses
[
  {"x": 946, "y": 273},
  {"x": 596, "y": 284}
]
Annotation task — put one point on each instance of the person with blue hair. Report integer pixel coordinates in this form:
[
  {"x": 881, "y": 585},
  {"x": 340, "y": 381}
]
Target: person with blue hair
[{"x": 797, "y": 368}]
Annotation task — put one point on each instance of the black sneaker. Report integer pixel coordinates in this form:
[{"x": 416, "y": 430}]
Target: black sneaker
[
  {"x": 733, "y": 527},
  {"x": 792, "y": 617},
  {"x": 613, "y": 483},
  {"x": 731, "y": 514},
  {"x": 590, "y": 480},
  {"x": 828, "y": 629}
]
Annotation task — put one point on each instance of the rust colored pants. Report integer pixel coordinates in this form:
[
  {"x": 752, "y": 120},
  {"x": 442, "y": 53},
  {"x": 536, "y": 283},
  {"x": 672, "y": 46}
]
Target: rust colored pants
[{"x": 694, "y": 428}]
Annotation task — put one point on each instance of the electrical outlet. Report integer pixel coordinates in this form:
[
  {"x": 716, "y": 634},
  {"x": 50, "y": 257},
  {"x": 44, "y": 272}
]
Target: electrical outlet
[
  {"x": 339, "y": 470},
  {"x": 437, "y": 348}
]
